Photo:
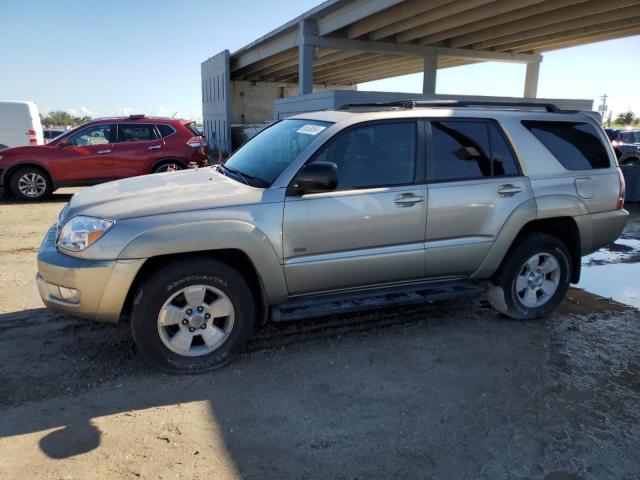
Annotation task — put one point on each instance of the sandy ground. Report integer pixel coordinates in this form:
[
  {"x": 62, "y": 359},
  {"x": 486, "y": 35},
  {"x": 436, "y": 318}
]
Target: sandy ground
[{"x": 444, "y": 390}]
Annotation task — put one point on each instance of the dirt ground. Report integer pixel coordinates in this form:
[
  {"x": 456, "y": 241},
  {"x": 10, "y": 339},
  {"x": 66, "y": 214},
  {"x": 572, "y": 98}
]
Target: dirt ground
[{"x": 444, "y": 390}]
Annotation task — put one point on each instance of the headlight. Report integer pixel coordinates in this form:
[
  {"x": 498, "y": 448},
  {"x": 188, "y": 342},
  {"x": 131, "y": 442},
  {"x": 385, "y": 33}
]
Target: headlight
[{"x": 81, "y": 232}]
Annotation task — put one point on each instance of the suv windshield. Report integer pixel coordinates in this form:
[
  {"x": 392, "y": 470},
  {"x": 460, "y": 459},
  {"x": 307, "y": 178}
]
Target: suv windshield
[{"x": 266, "y": 155}]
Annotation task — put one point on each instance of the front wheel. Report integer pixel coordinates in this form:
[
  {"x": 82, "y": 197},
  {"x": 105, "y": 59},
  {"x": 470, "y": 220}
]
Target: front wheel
[
  {"x": 533, "y": 279},
  {"x": 192, "y": 316},
  {"x": 30, "y": 184}
]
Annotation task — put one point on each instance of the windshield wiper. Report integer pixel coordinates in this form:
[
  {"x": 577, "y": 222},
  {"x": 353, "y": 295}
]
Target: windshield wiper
[{"x": 243, "y": 176}]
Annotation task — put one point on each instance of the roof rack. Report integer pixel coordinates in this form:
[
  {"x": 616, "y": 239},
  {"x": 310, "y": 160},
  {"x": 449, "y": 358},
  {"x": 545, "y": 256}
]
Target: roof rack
[{"x": 409, "y": 104}]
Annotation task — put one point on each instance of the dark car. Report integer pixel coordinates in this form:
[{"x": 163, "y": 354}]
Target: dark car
[
  {"x": 50, "y": 133},
  {"x": 102, "y": 150},
  {"x": 626, "y": 144}
]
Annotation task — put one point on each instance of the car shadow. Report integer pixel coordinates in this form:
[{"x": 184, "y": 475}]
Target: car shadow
[
  {"x": 428, "y": 391},
  {"x": 53, "y": 198}
]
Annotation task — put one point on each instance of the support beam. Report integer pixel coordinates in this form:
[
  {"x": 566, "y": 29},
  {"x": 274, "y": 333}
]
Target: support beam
[
  {"x": 422, "y": 51},
  {"x": 503, "y": 19},
  {"x": 405, "y": 30},
  {"x": 404, "y": 10},
  {"x": 531, "y": 80},
  {"x": 590, "y": 7},
  {"x": 597, "y": 22},
  {"x": 306, "y": 46},
  {"x": 430, "y": 72}
]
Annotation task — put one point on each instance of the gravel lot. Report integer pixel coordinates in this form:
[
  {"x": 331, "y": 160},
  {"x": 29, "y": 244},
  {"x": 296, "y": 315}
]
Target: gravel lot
[{"x": 444, "y": 390}]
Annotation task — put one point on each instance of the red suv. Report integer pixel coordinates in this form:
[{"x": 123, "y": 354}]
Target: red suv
[{"x": 102, "y": 150}]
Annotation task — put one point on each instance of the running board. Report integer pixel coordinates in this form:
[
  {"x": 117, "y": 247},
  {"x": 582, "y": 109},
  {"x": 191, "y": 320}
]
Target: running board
[{"x": 331, "y": 304}]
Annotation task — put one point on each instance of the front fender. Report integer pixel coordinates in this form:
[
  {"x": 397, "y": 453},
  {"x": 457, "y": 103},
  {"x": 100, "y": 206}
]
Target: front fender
[{"x": 214, "y": 235}]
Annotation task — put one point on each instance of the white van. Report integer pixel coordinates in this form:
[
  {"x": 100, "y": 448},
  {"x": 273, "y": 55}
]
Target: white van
[{"x": 20, "y": 124}]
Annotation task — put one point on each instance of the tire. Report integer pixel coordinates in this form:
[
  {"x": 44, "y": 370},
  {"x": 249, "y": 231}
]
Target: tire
[
  {"x": 165, "y": 165},
  {"x": 171, "y": 296},
  {"x": 532, "y": 296},
  {"x": 30, "y": 184}
]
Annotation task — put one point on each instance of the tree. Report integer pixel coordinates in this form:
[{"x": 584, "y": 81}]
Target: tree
[
  {"x": 625, "y": 118},
  {"x": 60, "y": 118}
]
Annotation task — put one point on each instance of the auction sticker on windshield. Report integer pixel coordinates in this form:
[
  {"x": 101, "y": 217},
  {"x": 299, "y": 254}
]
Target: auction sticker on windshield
[{"x": 311, "y": 129}]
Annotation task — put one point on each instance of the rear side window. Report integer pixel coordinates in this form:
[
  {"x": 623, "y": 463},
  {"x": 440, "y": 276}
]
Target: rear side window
[
  {"x": 165, "y": 130},
  {"x": 576, "y": 145},
  {"x": 136, "y": 133},
  {"x": 193, "y": 129},
  {"x": 470, "y": 149}
]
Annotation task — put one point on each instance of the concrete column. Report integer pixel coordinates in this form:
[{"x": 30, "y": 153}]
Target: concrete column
[
  {"x": 306, "y": 49},
  {"x": 430, "y": 73},
  {"x": 531, "y": 80}
]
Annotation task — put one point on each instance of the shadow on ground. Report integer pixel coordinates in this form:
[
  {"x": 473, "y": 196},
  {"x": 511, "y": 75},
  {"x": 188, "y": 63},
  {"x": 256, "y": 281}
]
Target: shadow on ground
[{"x": 447, "y": 390}]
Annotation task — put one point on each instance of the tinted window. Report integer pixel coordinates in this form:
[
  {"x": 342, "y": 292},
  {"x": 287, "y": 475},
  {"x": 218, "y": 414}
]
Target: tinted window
[
  {"x": 461, "y": 150},
  {"x": 576, "y": 145},
  {"x": 136, "y": 133},
  {"x": 266, "y": 155},
  {"x": 373, "y": 155},
  {"x": 193, "y": 129},
  {"x": 630, "y": 137},
  {"x": 96, "y": 135},
  {"x": 165, "y": 130},
  {"x": 504, "y": 163}
]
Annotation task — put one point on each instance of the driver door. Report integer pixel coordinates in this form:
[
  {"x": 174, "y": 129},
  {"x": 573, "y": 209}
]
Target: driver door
[
  {"x": 370, "y": 230},
  {"x": 87, "y": 156}
]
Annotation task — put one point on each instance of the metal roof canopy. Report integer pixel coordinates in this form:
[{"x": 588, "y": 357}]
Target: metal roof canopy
[{"x": 345, "y": 42}]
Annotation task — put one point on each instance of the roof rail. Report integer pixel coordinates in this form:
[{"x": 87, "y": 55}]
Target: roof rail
[{"x": 409, "y": 104}]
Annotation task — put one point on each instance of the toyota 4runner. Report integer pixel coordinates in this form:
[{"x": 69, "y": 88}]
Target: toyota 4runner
[{"x": 330, "y": 211}]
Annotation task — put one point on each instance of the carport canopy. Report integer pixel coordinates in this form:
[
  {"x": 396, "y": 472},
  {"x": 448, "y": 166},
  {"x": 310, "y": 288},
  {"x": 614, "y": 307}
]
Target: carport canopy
[{"x": 347, "y": 42}]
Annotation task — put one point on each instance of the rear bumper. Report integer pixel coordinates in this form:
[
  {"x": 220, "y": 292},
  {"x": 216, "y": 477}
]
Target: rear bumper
[
  {"x": 600, "y": 229},
  {"x": 102, "y": 285}
]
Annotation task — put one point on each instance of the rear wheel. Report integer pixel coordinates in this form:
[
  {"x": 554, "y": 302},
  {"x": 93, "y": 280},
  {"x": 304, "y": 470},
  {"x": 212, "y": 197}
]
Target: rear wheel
[
  {"x": 533, "y": 279},
  {"x": 30, "y": 184},
  {"x": 192, "y": 316},
  {"x": 168, "y": 166}
]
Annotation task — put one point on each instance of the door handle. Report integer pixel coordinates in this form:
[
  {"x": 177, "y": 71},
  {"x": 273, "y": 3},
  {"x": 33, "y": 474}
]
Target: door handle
[
  {"x": 154, "y": 147},
  {"x": 104, "y": 151},
  {"x": 508, "y": 190},
  {"x": 408, "y": 199}
]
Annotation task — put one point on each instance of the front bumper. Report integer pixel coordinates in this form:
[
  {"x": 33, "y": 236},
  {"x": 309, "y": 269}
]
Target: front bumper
[{"x": 103, "y": 285}]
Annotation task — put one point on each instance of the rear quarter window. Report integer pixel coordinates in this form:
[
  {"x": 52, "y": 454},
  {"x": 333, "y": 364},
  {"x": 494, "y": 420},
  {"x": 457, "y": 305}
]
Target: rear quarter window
[
  {"x": 576, "y": 145},
  {"x": 165, "y": 130}
]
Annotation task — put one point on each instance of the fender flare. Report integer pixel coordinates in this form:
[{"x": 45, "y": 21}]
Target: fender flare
[{"x": 224, "y": 235}]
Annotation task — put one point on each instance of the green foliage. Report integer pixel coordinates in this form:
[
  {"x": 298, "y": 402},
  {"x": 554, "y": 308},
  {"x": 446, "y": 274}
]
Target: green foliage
[
  {"x": 61, "y": 118},
  {"x": 626, "y": 118}
]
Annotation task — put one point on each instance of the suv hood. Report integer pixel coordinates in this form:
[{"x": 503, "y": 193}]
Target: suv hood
[{"x": 160, "y": 193}]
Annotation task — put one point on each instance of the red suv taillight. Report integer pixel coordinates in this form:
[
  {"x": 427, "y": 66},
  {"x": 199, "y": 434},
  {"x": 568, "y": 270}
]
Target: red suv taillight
[
  {"x": 33, "y": 140},
  {"x": 197, "y": 141},
  {"x": 621, "y": 192}
]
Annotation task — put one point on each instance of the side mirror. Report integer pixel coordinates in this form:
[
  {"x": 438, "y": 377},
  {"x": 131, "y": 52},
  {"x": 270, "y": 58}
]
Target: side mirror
[
  {"x": 64, "y": 142},
  {"x": 315, "y": 178}
]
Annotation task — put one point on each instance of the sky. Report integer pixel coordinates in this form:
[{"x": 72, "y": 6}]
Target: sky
[{"x": 144, "y": 56}]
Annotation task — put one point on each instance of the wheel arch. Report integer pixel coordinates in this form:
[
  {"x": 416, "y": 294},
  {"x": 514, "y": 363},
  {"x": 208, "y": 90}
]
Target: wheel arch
[
  {"x": 27, "y": 164},
  {"x": 235, "y": 258},
  {"x": 159, "y": 162},
  {"x": 536, "y": 215}
]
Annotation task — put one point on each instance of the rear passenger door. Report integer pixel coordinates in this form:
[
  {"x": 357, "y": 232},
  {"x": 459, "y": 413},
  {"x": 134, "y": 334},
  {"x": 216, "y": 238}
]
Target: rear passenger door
[
  {"x": 474, "y": 185},
  {"x": 139, "y": 146},
  {"x": 370, "y": 230}
]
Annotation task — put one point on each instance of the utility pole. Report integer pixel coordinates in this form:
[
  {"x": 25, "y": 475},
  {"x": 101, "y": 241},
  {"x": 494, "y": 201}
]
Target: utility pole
[{"x": 603, "y": 106}]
